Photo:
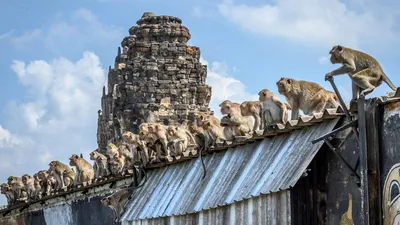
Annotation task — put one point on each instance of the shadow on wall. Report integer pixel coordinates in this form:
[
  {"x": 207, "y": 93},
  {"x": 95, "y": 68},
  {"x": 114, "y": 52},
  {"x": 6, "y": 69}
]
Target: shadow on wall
[{"x": 391, "y": 194}]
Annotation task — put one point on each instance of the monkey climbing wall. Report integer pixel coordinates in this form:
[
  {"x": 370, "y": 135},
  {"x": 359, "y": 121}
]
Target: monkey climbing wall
[{"x": 155, "y": 70}]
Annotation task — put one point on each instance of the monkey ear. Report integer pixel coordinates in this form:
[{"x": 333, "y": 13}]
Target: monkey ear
[
  {"x": 76, "y": 157},
  {"x": 340, "y": 48},
  {"x": 289, "y": 81}
]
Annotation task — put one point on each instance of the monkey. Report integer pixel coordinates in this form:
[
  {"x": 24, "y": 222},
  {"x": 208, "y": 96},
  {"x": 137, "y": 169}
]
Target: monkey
[
  {"x": 235, "y": 124},
  {"x": 51, "y": 184},
  {"x": 273, "y": 109},
  {"x": 69, "y": 177},
  {"x": 179, "y": 139},
  {"x": 118, "y": 164},
  {"x": 42, "y": 177},
  {"x": 140, "y": 151},
  {"x": 112, "y": 150},
  {"x": 364, "y": 70},
  {"x": 117, "y": 201},
  {"x": 308, "y": 96},
  {"x": 84, "y": 170},
  {"x": 29, "y": 187},
  {"x": 7, "y": 191},
  {"x": 201, "y": 117},
  {"x": 128, "y": 164},
  {"x": 252, "y": 108},
  {"x": 123, "y": 149},
  {"x": 155, "y": 134},
  {"x": 56, "y": 170},
  {"x": 38, "y": 187},
  {"x": 17, "y": 187},
  {"x": 101, "y": 168}
]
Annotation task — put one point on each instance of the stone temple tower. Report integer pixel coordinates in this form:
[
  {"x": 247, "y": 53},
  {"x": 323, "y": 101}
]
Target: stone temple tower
[{"x": 155, "y": 71}]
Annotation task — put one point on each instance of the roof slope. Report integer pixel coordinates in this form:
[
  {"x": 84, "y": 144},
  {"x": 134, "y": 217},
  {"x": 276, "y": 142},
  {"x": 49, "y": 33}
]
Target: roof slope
[{"x": 261, "y": 167}]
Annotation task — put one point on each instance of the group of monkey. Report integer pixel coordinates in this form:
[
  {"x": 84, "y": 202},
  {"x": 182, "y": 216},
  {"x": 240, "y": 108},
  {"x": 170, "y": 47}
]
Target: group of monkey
[{"x": 155, "y": 142}]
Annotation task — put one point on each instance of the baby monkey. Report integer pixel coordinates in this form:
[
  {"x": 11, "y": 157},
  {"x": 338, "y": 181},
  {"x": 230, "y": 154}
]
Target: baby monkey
[
  {"x": 365, "y": 71},
  {"x": 273, "y": 109}
]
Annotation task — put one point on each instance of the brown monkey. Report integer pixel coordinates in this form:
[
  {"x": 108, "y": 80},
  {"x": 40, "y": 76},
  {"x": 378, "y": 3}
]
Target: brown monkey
[
  {"x": 38, "y": 187},
  {"x": 201, "y": 117},
  {"x": 51, "y": 184},
  {"x": 273, "y": 109},
  {"x": 42, "y": 177},
  {"x": 123, "y": 149},
  {"x": 153, "y": 133},
  {"x": 56, "y": 170},
  {"x": 84, "y": 170},
  {"x": 7, "y": 191},
  {"x": 69, "y": 177},
  {"x": 29, "y": 187},
  {"x": 112, "y": 150},
  {"x": 364, "y": 70},
  {"x": 118, "y": 164},
  {"x": 17, "y": 187},
  {"x": 179, "y": 139},
  {"x": 101, "y": 168},
  {"x": 308, "y": 96},
  {"x": 235, "y": 124},
  {"x": 117, "y": 201},
  {"x": 252, "y": 108},
  {"x": 140, "y": 152}
]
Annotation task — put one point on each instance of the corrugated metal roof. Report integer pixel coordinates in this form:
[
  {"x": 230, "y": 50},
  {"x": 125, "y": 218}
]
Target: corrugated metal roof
[{"x": 261, "y": 167}]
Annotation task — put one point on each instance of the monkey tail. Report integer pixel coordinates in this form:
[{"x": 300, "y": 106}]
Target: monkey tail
[
  {"x": 202, "y": 163},
  {"x": 389, "y": 82}
]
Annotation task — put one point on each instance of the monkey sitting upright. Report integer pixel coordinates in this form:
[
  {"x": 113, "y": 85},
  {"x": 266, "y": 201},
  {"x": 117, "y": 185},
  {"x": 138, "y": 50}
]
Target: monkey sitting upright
[
  {"x": 273, "y": 109},
  {"x": 365, "y": 71},
  {"x": 308, "y": 96}
]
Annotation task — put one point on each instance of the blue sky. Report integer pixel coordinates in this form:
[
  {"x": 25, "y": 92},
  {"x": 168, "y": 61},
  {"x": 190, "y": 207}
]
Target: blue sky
[{"x": 55, "y": 56}]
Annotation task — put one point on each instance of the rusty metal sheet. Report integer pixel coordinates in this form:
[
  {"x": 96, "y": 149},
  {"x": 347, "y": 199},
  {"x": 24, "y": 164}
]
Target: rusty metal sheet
[{"x": 243, "y": 172}]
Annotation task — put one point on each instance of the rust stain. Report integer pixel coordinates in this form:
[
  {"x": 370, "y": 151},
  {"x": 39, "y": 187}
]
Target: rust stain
[{"x": 392, "y": 106}]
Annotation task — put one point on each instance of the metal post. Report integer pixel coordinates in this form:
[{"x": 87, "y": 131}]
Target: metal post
[
  {"x": 346, "y": 112},
  {"x": 363, "y": 162}
]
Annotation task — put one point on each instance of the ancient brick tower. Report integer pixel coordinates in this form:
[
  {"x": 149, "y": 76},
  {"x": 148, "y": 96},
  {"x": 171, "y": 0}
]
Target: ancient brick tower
[{"x": 155, "y": 71}]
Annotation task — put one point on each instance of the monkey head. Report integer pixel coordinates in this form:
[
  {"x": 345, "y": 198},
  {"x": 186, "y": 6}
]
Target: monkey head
[
  {"x": 172, "y": 130},
  {"x": 201, "y": 117},
  {"x": 105, "y": 201},
  {"x": 13, "y": 179},
  {"x": 42, "y": 174},
  {"x": 144, "y": 129},
  {"x": 336, "y": 54},
  {"x": 5, "y": 188},
  {"x": 53, "y": 163},
  {"x": 229, "y": 108},
  {"x": 73, "y": 160},
  {"x": 285, "y": 85},
  {"x": 112, "y": 147},
  {"x": 128, "y": 136},
  {"x": 264, "y": 94},
  {"x": 93, "y": 155},
  {"x": 25, "y": 178}
]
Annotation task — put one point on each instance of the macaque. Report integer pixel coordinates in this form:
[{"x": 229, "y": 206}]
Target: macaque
[
  {"x": 140, "y": 151},
  {"x": 117, "y": 201},
  {"x": 84, "y": 170},
  {"x": 215, "y": 133},
  {"x": 123, "y": 149},
  {"x": 179, "y": 139},
  {"x": 112, "y": 150},
  {"x": 202, "y": 117},
  {"x": 69, "y": 177},
  {"x": 17, "y": 187},
  {"x": 307, "y": 96},
  {"x": 273, "y": 109},
  {"x": 155, "y": 134},
  {"x": 101, "y": 168},
  {"x": 51, "y": 184},
  {"x": 118, "y": 164},
  {"x": 235, "y": 124},
  {"x": 42, "y": 177},
  {"x": 7, "y": 191},
  {"x": 38, "y": 187},
  {"x": 29, "y": 186},
  {"x": 57, "y": 170},
  {"x": 364, "y": 70},
  {"x": 252, "y": 108}
]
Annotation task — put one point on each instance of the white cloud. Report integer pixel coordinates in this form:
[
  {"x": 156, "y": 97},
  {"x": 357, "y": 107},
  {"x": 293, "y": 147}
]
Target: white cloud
[
  {"x": 6, "y": 35},
  {"x": 224, "y": 87},
  {"x": 61, "y": 117},
  {"x": 315, "y": 22},
  {"x": 80, "y": 25}
]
